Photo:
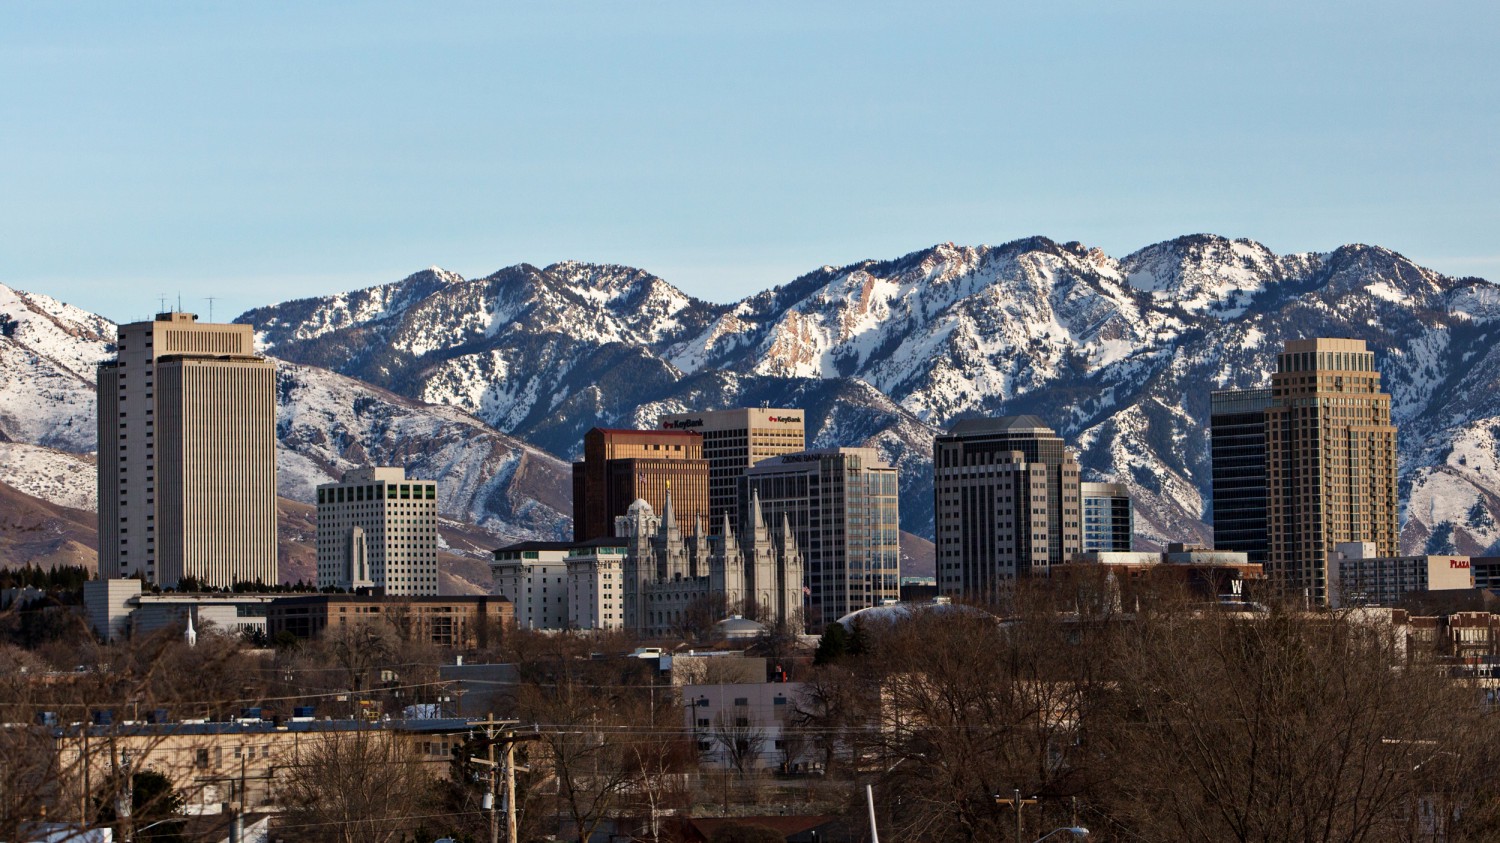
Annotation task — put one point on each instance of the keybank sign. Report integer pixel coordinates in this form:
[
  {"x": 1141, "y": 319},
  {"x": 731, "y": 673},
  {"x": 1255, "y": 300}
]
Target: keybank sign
[{"x": 682, "y": 424}]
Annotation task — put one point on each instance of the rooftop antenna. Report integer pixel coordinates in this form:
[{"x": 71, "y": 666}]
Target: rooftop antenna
[
  {"x": 162, "y": 297},
  {"x": 179, "y": 301},
  {"x": 211, "y": 300}
]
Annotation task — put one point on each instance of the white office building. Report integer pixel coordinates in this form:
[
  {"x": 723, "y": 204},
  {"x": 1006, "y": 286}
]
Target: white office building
[
  {"x": 377, "y": 530},
  {"x": 596, "y": 584},
  {"x": 533, "y": 576}
]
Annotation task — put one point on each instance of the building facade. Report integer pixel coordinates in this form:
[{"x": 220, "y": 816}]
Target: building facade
[
  {"x": 1358, "y": 576},
  {"x": 120, "y": 608},
  {"x": 651, "y": 578},
  {"x": 743, "y": 725},
  {"x": 1006, "y": 503},
  {"x": 378, "y": 530},
  {"x": 187, "y": 455},
  {"x": 1329, "y": 457},
  {"x": 1108, "y": 517},
  {"x": 733, "y": 441},
  {"x": 533, "y": 576},
  {"x": 453, "y": 621},
  {"x": 620, "y": 467},
  {"x": 841, "y": 504},
  {"x": 247, "y": 760},
  {"x": 1237, "y": 447},
  {"x": 595, "y": 594}
]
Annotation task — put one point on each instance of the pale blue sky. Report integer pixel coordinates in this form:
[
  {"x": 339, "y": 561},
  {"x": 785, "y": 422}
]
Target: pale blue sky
[{"x": 258, "y": 151}]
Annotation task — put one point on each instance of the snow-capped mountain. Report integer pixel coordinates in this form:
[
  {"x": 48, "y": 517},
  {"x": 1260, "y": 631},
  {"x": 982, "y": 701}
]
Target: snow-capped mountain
[
  {"x": 494, "y": 486},
  {"x": 48, "y": 351},
  {"x": 1118, "y": 353}
]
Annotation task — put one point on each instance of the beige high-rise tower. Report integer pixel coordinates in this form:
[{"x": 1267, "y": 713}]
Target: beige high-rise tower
[
  {"x": 187, "y": 454},
  {"x": 1330, "y": 461},
  {"x": 733, "y": 442}
]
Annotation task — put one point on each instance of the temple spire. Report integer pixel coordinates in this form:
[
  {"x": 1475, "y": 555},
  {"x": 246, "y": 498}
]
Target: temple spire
[{"x": 669, "y": 517}]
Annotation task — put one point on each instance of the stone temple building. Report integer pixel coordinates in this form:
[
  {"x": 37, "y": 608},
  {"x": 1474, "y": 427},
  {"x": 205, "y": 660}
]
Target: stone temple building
[{"x": 649, "y": 577}]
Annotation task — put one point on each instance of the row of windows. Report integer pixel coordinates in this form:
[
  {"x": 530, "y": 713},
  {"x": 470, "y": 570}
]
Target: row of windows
[{"x": 391, "y": 491}]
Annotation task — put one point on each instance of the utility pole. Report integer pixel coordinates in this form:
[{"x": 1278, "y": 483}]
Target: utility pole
[
  {"x": 502, "y": 732},
  {"x": 1015, "y": 803}
]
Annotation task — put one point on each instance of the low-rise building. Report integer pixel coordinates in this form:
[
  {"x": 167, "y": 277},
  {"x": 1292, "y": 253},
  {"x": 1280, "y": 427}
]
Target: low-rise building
[
  {"x": 1358, "y": 577},
  {"x": 534, "y": 577},
  {"x": 242, "y": 760},
  {"x": 1211, "y": 575},
  {"x": 454, "y": 621},
  {"x": 1485, "y": 572},
  {"x": 118, "y": 608},
  {"x": 744, "y": 725}
]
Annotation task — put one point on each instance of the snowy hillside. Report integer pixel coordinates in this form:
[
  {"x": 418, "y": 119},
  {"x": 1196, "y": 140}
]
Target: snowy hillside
[
  {"x": 57, "y": 477},
  {"x": 48, "y": 351},
  {"x": 494, "y": 488},
  {"x": 1118, "y": 353}
]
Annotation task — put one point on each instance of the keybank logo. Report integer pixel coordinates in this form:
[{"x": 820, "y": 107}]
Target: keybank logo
[
  {"x": 682, "y": 424},
  {"x": 785, "y": 419}
]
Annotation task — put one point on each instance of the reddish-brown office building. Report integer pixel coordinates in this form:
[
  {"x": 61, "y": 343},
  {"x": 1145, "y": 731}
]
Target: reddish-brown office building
[{"x": 622, "y": 466}]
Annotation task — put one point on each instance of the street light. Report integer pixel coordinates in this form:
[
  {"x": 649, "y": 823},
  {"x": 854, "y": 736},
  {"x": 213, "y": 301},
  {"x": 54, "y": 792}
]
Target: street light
[{"x": 1078, "y": 831}]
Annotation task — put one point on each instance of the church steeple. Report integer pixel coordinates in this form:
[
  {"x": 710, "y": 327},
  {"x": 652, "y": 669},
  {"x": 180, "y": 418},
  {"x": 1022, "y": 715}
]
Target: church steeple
[
  {"x": 669, "y": 519},
  {"x": 788, "y": 538}
]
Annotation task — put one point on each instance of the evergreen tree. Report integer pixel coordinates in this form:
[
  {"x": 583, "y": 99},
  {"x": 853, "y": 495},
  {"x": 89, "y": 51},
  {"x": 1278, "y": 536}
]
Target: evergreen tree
[{"x": 833, "y": 646}]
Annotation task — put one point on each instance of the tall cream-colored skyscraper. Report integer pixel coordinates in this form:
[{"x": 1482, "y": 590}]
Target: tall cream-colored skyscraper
[
  {"x": 1306, "y": 465},
  {"x": 187, "y": 454},
  {"x": 1330, "y": 461}
]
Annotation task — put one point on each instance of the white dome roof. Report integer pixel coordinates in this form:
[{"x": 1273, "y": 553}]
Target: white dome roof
[
  {"x": 738, "y": 627},
  {"x": 640, "y": 507},
  {"x": 892, "y": 612}
]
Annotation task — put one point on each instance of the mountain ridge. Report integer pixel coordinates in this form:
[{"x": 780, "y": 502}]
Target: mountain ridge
[{"x": 1116, "y": 353}]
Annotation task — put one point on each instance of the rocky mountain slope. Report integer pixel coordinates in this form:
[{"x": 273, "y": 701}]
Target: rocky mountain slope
[
  {"x": 495, "y": 488},
  {"x": 1118, "y": 353}
]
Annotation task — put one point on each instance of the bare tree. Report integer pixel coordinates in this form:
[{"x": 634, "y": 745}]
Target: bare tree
[
  {"x": 834, "y": 710},
  {"x": 1293, "y": 726},
  {"x": 970, "y": 707},
  {"x": 585, "y": 743},
  {"x": 740, "y": 741},
  {"x": 360, "y": 786}
]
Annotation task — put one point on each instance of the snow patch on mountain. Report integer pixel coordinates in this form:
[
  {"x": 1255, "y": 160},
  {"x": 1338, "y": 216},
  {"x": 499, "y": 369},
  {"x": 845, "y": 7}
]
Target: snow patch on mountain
[
  {"x": 57, "y": 477},
  {"x": 48, "y": 354}
]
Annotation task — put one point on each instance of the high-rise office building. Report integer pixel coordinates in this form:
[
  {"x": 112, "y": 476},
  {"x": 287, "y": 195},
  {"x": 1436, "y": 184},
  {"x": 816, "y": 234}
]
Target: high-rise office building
[
  {"x": 1108, "y": 517},
  {"x": 620, "y": 467},
  {"x": 187, "y": 454},
  {"x": 378, "y": 530},
  {"x": 1006, "y": 503},
  {"x": 733, "y": 441},
  {"x": 1331, "y": 472},
  {"x": 1237, "y": 448},
  {"x": 1329, "y": 461},
  {"x": 842, "y": 506}
]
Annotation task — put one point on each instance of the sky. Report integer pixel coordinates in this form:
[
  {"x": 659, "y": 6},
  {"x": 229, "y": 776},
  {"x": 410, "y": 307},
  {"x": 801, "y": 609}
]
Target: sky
[{"x": 259, "y": 152}]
